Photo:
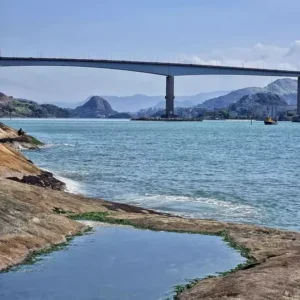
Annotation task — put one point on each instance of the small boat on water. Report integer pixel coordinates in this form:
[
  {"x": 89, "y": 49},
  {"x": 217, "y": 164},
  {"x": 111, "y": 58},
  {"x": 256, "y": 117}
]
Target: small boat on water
[
  {"x": 270, "y": 121},
  {"x": 270, "y": 114}
]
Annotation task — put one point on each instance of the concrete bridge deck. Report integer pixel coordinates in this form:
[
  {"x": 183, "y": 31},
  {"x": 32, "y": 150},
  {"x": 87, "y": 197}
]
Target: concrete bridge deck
[{"x": 170, "y": 70}]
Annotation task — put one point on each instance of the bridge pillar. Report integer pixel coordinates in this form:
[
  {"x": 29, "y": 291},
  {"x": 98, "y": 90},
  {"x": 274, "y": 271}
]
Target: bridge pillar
[
  {"x": 169, "y": 96},
  {"x": 298, "y": 98}
]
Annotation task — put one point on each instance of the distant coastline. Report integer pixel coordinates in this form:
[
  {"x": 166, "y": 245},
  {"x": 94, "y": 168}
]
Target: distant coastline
[{"x": 277, "y": 98}]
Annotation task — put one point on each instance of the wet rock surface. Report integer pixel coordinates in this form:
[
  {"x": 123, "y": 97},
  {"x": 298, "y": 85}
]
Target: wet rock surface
[{"x": 45, "y": 179}]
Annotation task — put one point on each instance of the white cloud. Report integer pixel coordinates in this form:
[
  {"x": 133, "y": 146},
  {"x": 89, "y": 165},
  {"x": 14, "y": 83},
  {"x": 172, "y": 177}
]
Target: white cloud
[
  {"x": 259, "y": 56},
  {"x": 294, "y": 50}
]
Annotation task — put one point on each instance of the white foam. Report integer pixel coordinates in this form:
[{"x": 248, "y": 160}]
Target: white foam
[
  {"x": 53, "y": 145},
  {"x": 46, "y": 146},
  {"x": 223, "y": 207},
  {"x": 72, "y": 186}
]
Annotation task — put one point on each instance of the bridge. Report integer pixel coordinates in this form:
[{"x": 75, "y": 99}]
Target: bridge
[{"x": 169, "y": 70}]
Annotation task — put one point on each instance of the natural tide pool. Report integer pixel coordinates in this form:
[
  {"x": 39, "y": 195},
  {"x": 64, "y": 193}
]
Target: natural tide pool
[{"x": 116, "y": 262}]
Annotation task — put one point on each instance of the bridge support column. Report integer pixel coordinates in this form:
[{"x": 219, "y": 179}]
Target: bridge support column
[
  {"x": 169, "y": 96},
  {"x": 298, "y": 98}
]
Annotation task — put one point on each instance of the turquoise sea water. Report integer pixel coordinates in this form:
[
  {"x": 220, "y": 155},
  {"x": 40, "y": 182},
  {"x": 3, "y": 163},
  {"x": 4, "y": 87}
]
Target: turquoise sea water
[
  {"x": 118, "y": 263},
  {"x": 222, "y": 170}
]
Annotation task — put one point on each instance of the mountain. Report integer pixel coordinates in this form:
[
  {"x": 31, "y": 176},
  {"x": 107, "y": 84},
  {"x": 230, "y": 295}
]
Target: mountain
[
  {"x": 259, "y": 105},
  {"x": 226, "y": 100},
  {"x": 286, "y": 87},
  {"x": 56, "y": 111},
  {"x": 291, "y": 98},
  {"x": 282, "y": 86},
  {"x": 200, "y": 98},
  {"x": 99, "y": 107},
  {"x": 186, "y": 103},
  {"x": 133, "y": 103},
  {"x": 95, "y": 107},
  {"x": 28, "y": 109},
  {"x": 140, "y": 101},
  {"x": 69, "y": 105},
  {"x": 4, "y": 99}
]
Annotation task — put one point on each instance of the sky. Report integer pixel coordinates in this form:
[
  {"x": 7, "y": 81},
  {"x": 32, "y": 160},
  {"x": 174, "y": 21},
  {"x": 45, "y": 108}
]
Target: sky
[{"x": 256, "y": 33}]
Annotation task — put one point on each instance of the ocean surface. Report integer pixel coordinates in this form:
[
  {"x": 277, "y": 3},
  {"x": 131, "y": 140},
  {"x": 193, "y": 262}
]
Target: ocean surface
[
  {"x": 224, "y": 170},
  {"x": 117, "y": 263}
]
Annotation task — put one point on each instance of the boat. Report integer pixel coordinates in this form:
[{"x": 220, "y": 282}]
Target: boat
[
  {"x": 269, "y": 118},
  {"x": 270, "y": 121}
]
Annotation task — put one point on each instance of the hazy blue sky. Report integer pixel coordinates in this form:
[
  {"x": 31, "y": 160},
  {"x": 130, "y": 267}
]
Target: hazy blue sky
[{"x": 233, "y": 32}]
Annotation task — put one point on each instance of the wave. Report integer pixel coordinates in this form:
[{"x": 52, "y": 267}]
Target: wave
[
  {"x": 193, "y": 206},
  {"x": 50, "y": 145},
  {"x": 47, "y": 146},
  {"x": 72, "y": 186}
]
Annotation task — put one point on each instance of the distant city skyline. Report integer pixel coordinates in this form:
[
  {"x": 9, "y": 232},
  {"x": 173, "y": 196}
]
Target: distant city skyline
[{"x": 210, "y": 32}]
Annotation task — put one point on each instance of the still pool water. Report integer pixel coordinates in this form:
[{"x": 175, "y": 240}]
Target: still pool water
[
  {"x": 223, "y": 170},
  {"x": 117, "y": 263}
]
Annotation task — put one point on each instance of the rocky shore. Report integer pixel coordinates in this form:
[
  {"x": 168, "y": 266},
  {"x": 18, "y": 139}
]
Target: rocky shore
[
  {"x": 37, "y": 217},
  {"x": 18, "y": 141},
  {"x": 15, "y": 166}
]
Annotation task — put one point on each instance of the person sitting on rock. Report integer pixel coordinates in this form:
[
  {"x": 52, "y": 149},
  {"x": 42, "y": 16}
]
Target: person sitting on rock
[{"x": 21, "y": 132}]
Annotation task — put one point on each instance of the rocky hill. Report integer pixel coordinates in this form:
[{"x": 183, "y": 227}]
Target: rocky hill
[
  {"x": 259, "y": 105},
  {"x": 56, "y": 111},
  {"x": 282, "y": 86},
  {"x": 18, "y": 141},
  {"x": 95, "y": 107},
  {"x": 226, "y": 100},
  {"x": 286, "y": 87},
  {"x": 10, "y": 106},
  {"x": 15, "y": 166}
]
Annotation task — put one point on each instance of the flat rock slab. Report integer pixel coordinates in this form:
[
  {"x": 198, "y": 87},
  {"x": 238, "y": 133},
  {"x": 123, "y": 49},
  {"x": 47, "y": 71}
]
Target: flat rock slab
[{"x": 27, "y": 223}]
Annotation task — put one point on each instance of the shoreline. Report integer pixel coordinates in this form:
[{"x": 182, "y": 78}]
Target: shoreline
[
  {"x": 275, "y": 252},
  {"x": 35, "y": 219}
]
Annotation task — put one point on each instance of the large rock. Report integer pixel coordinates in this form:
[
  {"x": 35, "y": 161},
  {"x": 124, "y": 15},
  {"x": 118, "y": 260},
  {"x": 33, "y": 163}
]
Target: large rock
[
  {"x": 15, "y": 166},
  {"x": 95, "y": 107},
  {"x": 44, "y": 179},
  {"x": 10, "y": 136}
]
